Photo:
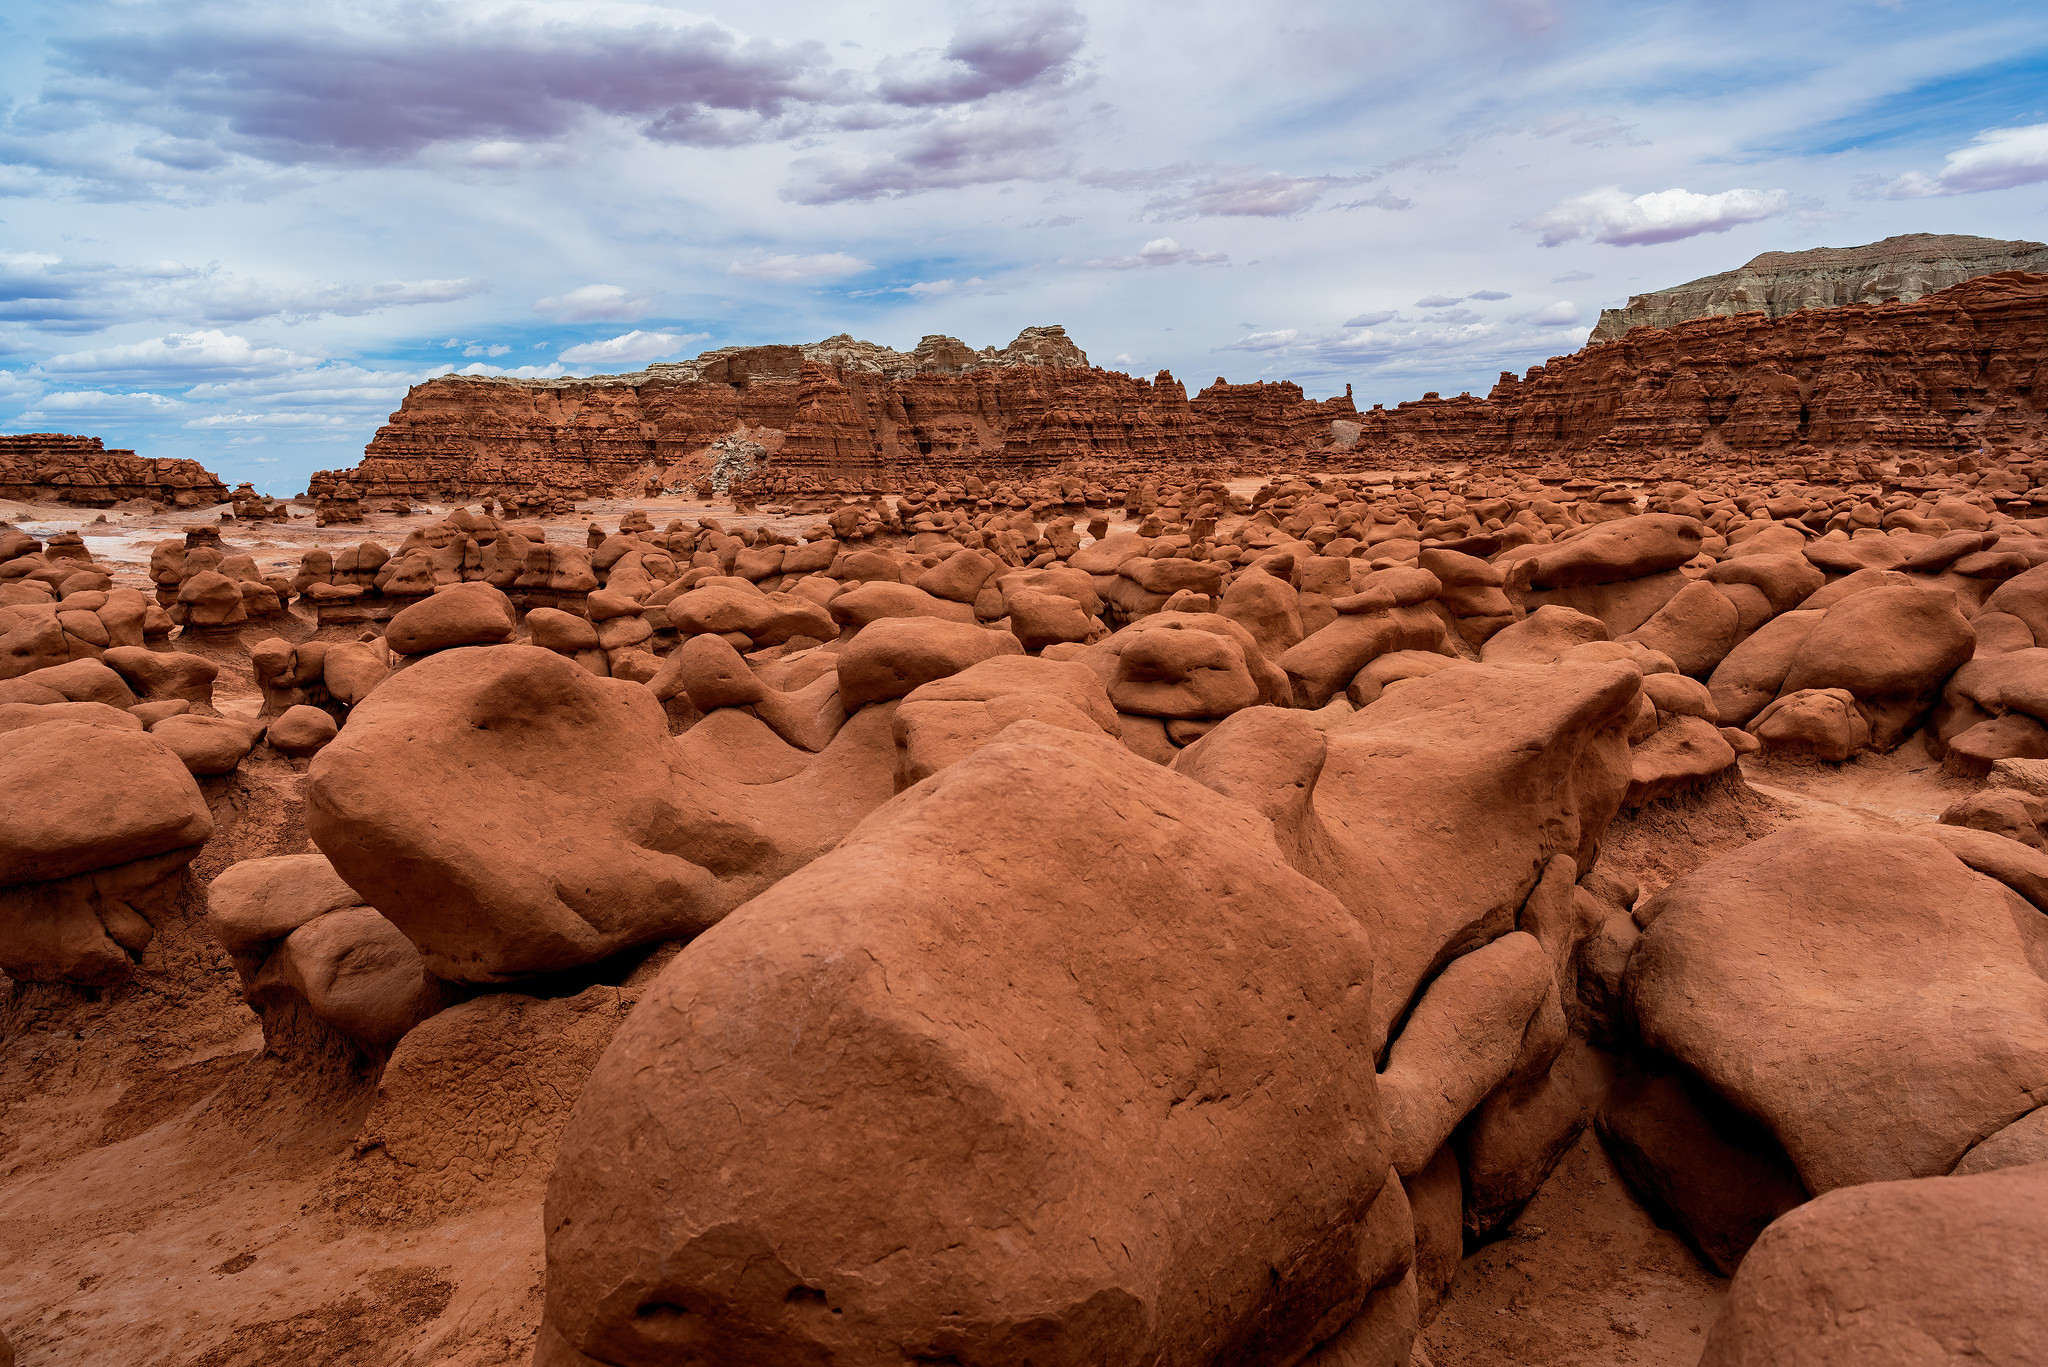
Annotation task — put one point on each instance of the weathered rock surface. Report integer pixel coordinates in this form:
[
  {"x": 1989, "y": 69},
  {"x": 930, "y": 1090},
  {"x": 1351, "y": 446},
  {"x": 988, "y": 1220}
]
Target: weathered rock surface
[
  {"x": 1777, "y": 283},
  {"x": 880, "y": 1114}
]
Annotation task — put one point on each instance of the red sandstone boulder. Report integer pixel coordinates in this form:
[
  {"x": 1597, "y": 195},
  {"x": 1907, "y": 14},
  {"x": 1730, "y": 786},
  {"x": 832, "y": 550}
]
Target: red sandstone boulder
[
  {"x": 1896, "y": 1274},
  {"x": 836, "y": 1226},
  {"x": 462, "y": 615},
  {"x": 894, "y": 655},
  {"x": 1865, "y": 995}
]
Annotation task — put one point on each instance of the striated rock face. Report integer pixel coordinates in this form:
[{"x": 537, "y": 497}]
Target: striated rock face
[
  {"x": 838, "y": 409},
  {"x": 1777, "y": 283},
  {"x": 78, "y": 470},
  {"x": 1957, "y": 371}
]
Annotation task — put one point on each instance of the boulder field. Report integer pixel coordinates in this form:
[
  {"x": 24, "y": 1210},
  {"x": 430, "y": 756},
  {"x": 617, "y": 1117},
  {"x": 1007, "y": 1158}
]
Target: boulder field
[{"x": 1036, "y": 924}]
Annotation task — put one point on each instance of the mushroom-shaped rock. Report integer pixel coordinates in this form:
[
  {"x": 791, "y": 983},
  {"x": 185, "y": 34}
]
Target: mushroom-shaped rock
[
  {"x": 1823, "y": 723},
  {"x": 1182, "y": 674},
  {"x": 301, "y": 731},
  {"x": 893, "y": 655},
  {"x": 99, "y": 817},
  {"x": 157, "y": 676},
  {"x": 558, "y": 861},
  {"x": 718, "y": 1182},
  {"x": 460, "y": 615},
  {"x": 208, "y": 745}
]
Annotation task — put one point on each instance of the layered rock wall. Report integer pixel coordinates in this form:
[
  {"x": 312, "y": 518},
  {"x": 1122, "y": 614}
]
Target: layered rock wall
[
  {"x": 840, "y": 409},
  {"x": 79, "y": 470},
  {"x": 1777, "y": 283},
  {"x": 1957, "y": 371}
]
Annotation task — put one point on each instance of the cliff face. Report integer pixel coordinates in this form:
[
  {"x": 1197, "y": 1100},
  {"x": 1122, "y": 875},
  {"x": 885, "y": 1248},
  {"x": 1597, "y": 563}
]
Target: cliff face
[
  {"x": 78, "y": 470},
  {"x": 839, "y": 409},
  {"x": 1960, "y": 369},
  {"x": 1777, "y": 283}
]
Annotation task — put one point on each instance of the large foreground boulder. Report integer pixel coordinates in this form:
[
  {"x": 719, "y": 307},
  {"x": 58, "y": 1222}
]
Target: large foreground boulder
[
  {"x": 1865, "y": 995},
  {"x": 1897, "y": 1274},
  {"x": 1053, "y": 1060}
]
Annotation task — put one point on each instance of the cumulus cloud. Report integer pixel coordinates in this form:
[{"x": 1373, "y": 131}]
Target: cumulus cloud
[
  {"x": 1612, "y": 217},
  {"x": 631, "y": 348},
  {"x": 1160, "y": 251},
  {"x": 595, "y": 303},
  {"x": 784, "y": 269},
  {"x": 1996, "y": 159},
  {"x": 177, "y": 356},
  {"x": 993, "y": 53}
]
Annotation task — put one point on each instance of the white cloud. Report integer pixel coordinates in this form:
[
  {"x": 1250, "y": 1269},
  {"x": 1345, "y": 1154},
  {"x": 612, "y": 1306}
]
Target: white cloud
[
  {"x": 479, "y": 349},
  {"x": 553, "y": 371},
  {"x": 785, "y": 269},
  {"x": 1561, "y": 314},
  {"x": 595, "y": 303},
  {"x": 1490, "y": 296},
  {"x": 15, "y": 385},
  {"x": 1571, "y": 277},
  {"x": 178, "y": 356},
  {"x": 229, "y": 299},
  {"x": 1663, "y": 216},
  {"x": 1160, "y": 251},
  {"x": 1371, "y": 320},
  {"x": 631, "y": 348},
  {"x": 243, "y": 421},
  {"x": 1264, "y": 341},
  {"x": 1438, "y": 301},
  {"x": 95, "y": 403},
  {"x": 1996, "y": 159},
  {"x": 929, "y": 289}
]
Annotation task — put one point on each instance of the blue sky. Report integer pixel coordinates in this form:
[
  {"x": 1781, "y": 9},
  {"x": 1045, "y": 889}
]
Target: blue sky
[{"x": 239, "y": 232}]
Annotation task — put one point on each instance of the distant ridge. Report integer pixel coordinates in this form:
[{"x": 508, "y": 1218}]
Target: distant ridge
[{"x": 1777, "y": 283}]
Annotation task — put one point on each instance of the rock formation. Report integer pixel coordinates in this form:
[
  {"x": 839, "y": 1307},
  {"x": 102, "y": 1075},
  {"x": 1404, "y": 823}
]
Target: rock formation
[
  {"x": 1898, "y": 269},
  {"x": 840, "y": 409},
  {"x": 78, "y": 470},
  {"x": 1954, "y": 373}
]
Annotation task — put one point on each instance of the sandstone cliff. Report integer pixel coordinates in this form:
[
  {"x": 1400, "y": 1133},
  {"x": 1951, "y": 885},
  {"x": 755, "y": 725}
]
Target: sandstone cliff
[
  {"x": 78, "y": 470},
  {"x": 1777, "y": 283},
  {"x": 1958, "y": 370},
  {"x": 839, "y": 409}
]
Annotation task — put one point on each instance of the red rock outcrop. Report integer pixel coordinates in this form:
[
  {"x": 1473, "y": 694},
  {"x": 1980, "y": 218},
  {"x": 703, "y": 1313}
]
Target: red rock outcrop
[
  {"x": 78, "y": 470},
  {"x": 841, "y": 410},
  {"x": 1954, "y": 372}
]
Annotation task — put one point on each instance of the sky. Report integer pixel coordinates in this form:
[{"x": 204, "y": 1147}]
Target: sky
[{"x": 239, "y": 232}]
